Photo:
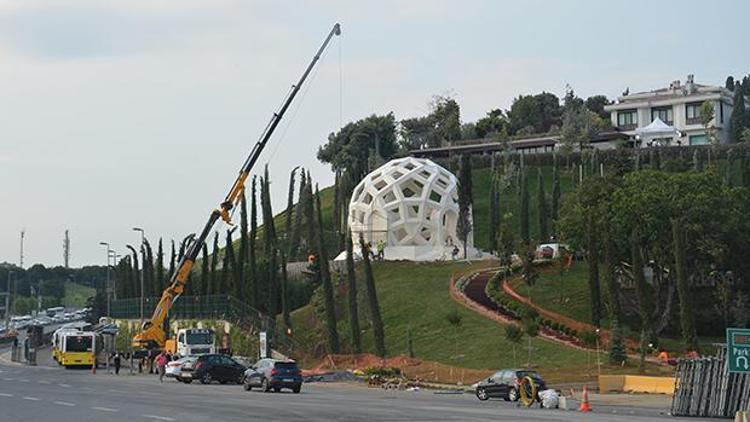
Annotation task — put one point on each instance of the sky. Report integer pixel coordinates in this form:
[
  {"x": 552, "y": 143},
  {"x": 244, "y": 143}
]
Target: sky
[{"x": 140, "y": 113}]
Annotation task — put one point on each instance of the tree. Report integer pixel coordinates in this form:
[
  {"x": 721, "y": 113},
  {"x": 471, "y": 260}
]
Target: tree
[
  {"x": 579, "y": 125},
  {"x": 530, "y": 324},
  {"x": 351, "y": 278},
  {"x": 538, "y": 112},
  {"x": 270, "y": 247},
  {"x": 506, "y": 241},
  {"x": 454, "y": 318},
  {"x": 213, "y": 285},
  {"x": 160, "y": 264},
  {"x": 298, "y": 218},
  {"x": 493, "y": 123},
  {"x": 555, "y": 189},
  {"x": 242, "y": 256},
  {"x": 464, "y": 224},
  {"x": 514, "y": 334},
  {"x": 254, "y": 278},
  {"x": 494, "y": 212},
  {"x": 596, "y": 104},
  {"x": 739, "y": 120},
  {"x": 613, "y": 288},
  {"x": 227, "y": 270},
  {"x": 205, "y": 270},
  {"x": 592, "y": 250},
  {"x": 525, "y": 235},
  {"x": 687, "y": 323},
  {"x": 135, "y": 272},
  {"x": 172, "y": 258},
  {"x": 617, "y": 353},
  {"x": 729, "y": 83},
  {"x": 706, "y": 116},
  {"x": 541, "y": 200},
  {"x": 325, "y": 275},
  {"x": 372, "y": 298},
  {"x": 441, "y": 126},
  {"x": 642, "y": 292},
  {"x": 290, "y": 211}
]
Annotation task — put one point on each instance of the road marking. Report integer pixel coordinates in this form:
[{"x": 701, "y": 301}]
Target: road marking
[
  {"x": 44, "y": 382},
  {"x": 160, "y": 418},
  {"x": 31, "y": 398},
  {"x": 118, "y": 391},
  {"x": 23, "y": 380},
  {"x": 6, "y": 395},
  {"x": 105, "y": 409},
  {"x": 64, "y": 385},
  {"x": 64, "y": 403}
]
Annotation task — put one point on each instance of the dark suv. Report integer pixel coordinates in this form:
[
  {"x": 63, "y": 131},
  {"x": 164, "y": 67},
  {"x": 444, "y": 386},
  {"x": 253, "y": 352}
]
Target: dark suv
[
  {"x": 273, "y": 374},
  {"x": 213, "y": 367},
  {"x": 505, "y": 384}
]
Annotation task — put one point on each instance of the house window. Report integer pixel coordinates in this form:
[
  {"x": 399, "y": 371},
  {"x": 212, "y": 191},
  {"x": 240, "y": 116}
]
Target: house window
[
  {"x": 692, "y": 113},
  {"x": 627, "y": 118},
  {"x": 698, "y": 140},
  {"x": 663, "y": 113}
]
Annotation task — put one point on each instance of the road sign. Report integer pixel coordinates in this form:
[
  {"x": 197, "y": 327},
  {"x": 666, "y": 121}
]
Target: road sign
[{"x": 738, "y": 349}]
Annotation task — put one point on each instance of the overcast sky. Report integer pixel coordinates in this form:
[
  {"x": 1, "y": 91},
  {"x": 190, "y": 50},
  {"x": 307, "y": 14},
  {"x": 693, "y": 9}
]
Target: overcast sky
[{"x": 116, "y": 114}]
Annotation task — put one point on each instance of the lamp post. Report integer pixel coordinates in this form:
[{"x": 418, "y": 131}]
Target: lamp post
[
  {"x": 143, "y": 261},
  {"x": 109, "y": 304},
  {"x": 598, "y": 362}
]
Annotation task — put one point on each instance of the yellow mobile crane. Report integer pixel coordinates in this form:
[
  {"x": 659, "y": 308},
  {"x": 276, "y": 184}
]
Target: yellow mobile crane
[{"x": 153, "y": 334}]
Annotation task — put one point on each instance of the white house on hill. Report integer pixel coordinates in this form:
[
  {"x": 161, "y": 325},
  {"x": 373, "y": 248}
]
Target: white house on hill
[{"x": 670, "y": 116}]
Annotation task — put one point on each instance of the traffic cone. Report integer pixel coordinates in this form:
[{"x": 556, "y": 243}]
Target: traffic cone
[{"x": 585, "y": 407}]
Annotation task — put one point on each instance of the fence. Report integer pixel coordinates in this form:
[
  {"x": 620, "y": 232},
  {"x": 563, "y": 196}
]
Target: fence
[
  {"x": 215, "y": 307},
  {"x": 704, "y": 387}
]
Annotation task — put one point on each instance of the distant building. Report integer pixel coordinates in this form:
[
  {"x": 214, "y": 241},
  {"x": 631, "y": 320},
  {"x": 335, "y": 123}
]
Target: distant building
[{"x": 677, "y": 107}]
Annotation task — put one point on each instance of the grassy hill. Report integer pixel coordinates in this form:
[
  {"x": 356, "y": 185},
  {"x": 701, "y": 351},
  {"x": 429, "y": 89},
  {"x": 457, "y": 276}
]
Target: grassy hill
[
  {"x": 76, "y": 294},
  {"x": 416, "y": 297}
]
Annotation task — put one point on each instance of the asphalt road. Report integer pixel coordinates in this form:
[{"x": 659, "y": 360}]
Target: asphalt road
[{"x": 44, "y": 392}]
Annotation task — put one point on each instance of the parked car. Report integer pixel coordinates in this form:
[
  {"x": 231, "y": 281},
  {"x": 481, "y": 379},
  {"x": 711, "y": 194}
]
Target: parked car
[
  {"x": 504, "y": 384},
  {"x": 174, "y": 368},
  {"x": 212, "y": 367},
  {"x": 272, "y": 374}
]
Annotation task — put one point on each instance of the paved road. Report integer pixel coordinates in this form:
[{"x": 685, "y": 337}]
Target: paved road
[{"x": 37, "y": 393}]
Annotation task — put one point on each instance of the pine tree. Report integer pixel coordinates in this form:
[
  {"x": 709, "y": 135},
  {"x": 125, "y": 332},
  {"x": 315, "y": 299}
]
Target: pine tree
[
  {"x": 592, "y": 249},
  {"x": 212, "y": 288},
  {"x": 525, "y": 235},
  {"x": 464, "y": 225},
  {"x": 205, "y": 270},
  {"x": 351, "y": 278},
  {"x": 687, "y": 321},
  {"x": 255, "y": 300},
  {"x": 555, "y": 210},
  {"x": 160, "y": 263},
  {"x": 325, "y": 278},
  {"x": 372, "y": 297},
  {"x": 541, "y": 199}
]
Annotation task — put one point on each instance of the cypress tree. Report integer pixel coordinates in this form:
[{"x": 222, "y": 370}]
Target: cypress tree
[
  {"x": 593, "y": 261},
  {"x": 687, "y": 323},
  {"x": 172, "y": 258},
  {"x": 293, "y": 246},
  {"x": 289, "y": 212},
  {"x": 325, "y": 276},
  {"x": 351, "y": 278},
  {"x": 253, "y": 265},
  {"x": 227, "y": 270},
  {"x": 309, "y": 213},
  {"x": 729, "y": 166},
  {"x": 492, "y": 232},
  {"x": 555, "y": 189},
  {"x": 205, "y": 270},
  {"x": 541, "y": 199},
  {"x": 464, "y": 226},
  {"x": 135, "y": 274},
  {"x": 739, "y": 118},
  {"x": 525, "y": 235},
  {"x": 148, "y": 268},
  {"x": 372, "y": 297},
  {"x": 160, "y": 263},
  {"x": 337, "y": 206},
  {"x": 270, "y": 247},
  {"x": 242, "y": 255},
  {"x": 285, "y": 292},
  {"x": 212, "y": 288},
  {"x": 644, "y": 301}
]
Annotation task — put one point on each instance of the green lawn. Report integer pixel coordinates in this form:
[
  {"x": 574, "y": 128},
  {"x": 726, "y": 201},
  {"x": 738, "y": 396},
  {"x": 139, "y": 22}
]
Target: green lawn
[{"x": 76, "y": 294}]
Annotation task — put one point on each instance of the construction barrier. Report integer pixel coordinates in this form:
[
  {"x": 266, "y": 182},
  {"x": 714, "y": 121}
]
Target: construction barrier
[{"x": 636, "y": 384}]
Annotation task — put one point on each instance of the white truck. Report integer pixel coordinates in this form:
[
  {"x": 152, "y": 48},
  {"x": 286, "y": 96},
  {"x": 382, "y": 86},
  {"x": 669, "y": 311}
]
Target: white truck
[{"x": 192, "y": 341}]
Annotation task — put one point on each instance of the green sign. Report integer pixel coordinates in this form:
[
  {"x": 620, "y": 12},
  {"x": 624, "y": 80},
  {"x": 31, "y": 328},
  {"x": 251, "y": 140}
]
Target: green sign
[{"x": 738, "y": 349}]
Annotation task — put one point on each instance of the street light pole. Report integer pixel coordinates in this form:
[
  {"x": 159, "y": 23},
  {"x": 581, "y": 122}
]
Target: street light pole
[
  {"x": 143, "y": 261},
  {"x": 107, "y": 290}
]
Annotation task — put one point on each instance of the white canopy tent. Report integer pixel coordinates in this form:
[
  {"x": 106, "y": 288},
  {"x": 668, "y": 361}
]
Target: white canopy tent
[{"x": 658, "y": 132}]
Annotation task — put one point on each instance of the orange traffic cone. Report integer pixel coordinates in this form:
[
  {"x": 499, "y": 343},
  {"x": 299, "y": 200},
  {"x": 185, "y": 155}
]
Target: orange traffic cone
[{"x": 585, "y": 407}]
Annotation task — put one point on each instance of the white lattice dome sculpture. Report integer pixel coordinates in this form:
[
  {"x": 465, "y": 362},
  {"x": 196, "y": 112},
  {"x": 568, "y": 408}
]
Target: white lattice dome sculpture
[{"x": 411, "y": 204}]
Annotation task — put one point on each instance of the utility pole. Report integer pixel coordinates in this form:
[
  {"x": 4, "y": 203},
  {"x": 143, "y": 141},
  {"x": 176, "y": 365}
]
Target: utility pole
[
  {"x": 20, "y": 261},
  {"x": 143, "y": 261},
  {"x": 66, "y": 250},
  {"x": 108, "y": 289}
]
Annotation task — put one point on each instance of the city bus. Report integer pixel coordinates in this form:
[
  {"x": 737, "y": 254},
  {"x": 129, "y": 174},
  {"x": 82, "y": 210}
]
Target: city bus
[
  {"x": 53, "y": 312},
  {"x": 77, "y": 348},
  {"x": 57, "y": 342}
]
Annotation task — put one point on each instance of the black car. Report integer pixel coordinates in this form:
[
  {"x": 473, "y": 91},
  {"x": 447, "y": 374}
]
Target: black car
[
  {"x": 213, "y": 367},
  {"x": 268, "y": 374},
  {"x": 505, "y": 384}
]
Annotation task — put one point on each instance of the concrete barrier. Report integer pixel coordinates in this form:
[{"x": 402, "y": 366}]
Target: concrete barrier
[{"x": 636, "y": 384}]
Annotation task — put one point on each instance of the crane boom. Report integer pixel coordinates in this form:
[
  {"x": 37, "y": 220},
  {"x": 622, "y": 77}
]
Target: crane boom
[{"x": 153, "y": 334}]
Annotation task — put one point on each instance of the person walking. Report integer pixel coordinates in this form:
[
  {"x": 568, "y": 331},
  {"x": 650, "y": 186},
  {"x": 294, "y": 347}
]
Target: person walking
[
  {"x": 117, "y": 360},
  {"x": 161, "y": 363}
]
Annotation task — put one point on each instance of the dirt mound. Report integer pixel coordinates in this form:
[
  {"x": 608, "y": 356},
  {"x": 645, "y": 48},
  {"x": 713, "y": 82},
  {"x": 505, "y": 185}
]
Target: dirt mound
[{"x": 411, "y": 368}]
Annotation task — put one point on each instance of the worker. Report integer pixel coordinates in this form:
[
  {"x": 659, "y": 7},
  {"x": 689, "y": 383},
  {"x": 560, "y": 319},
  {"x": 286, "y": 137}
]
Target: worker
[
  {"x": 117, "y": 360},
  {"x": 161, "y": 363},
  {"x": 381, "y": 249}
]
